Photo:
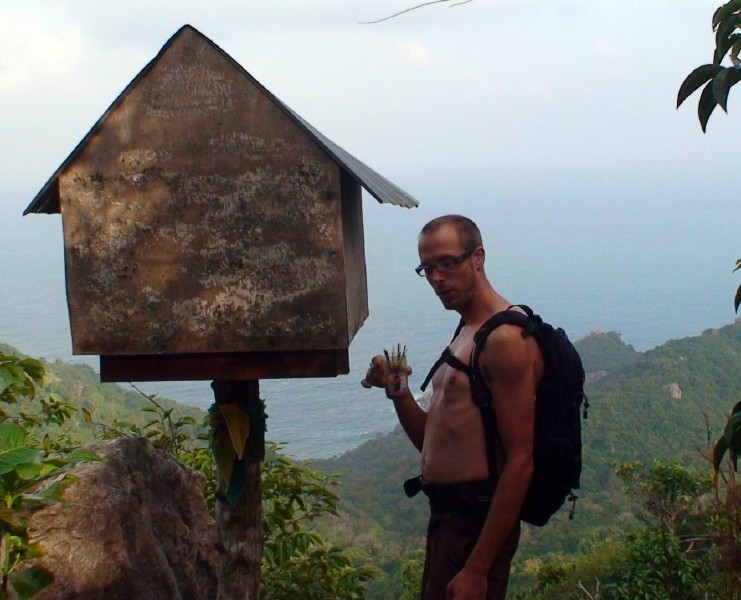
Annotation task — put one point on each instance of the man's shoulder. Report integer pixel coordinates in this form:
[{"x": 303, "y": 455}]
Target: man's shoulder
[
  {"x": 506, "y": 347},
  {"x": 504, "y": 326},
  {"x": 504, "y": 336}
]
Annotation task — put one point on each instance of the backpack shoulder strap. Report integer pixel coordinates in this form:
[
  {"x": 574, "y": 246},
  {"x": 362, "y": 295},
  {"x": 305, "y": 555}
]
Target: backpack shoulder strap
[
  {"x": 480, "y": 392},
  {"x": 446, "y": 357},
  {"x": 524, "y": 318}
]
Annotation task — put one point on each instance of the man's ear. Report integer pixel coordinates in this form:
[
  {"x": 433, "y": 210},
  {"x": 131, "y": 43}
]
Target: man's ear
[{"x": 479, "y": 256}]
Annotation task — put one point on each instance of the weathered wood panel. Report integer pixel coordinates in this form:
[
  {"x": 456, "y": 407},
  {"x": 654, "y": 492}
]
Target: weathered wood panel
[
  {"x": 200, "y": 219},
  {"x": 229, "y": 366}
]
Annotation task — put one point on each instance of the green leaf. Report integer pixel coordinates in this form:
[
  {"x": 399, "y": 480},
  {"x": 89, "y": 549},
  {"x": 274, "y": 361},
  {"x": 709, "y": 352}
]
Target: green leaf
[
  {"x": 13, "y": 451},
  {"x": 11, "y": 372},
  {"x": 81, "y": 455},
  {"x": 30, "y": 582},
  {"x": 34, "y": 368},
  {"x": 737, "y": 299},
  {"x": 55, "y": 491},
  {"x": 725, "y": 29},
  {"x": 694, "y": 80},
  {"x": 8, "y": 375},
  {"x": 28, "y": 470},
  {"x": 725, "y": 11},
  {"x": 706, "y": 105},
  {"x": 11, "y": 436},
  {"x": 731, "y": 440},
  {"x": 13, "y": 520},
  {"x": 723, "y": 45},
  {"x": 732, "y": 431},
  {"x": 735, "y": 50},
  {"x": 722, "y": 84},
  {"x": 32, "y": 419}
]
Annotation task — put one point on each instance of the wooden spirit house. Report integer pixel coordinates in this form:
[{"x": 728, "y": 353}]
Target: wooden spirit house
[{"x": 209, "y": 231}]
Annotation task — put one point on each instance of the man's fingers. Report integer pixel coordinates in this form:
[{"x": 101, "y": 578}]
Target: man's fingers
[{"x": 376, "y": 372}]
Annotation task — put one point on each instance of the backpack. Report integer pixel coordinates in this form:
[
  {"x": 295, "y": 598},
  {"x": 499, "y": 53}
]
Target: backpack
[{"x": 558, "y": 412}]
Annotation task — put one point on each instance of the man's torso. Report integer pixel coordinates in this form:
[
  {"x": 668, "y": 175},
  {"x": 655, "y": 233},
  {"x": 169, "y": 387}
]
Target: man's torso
[{"x": 454, "y": 445}]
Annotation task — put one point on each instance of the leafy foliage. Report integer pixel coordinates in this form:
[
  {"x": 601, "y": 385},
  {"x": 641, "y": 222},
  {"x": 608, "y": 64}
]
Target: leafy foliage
[
  {"x": 666, "y": 559},
  {"x": 669, "y": 492},
  {"x": 656, "y": 567},
  {"x": 411, "y": 576},
  {"x": 297, "y": 562},
  {"x": 25, "y": 462},
  {"x": 716, "y": 79}
]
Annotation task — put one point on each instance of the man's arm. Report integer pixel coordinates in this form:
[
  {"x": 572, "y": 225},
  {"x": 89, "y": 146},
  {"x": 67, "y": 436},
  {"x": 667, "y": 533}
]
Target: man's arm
[
  {"x": 512, "y": 366},
  {"x": 412, "y": 418}
]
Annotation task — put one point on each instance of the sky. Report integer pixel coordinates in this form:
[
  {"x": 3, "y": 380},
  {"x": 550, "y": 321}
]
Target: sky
[
  {"x": 487, "y": 94},
  {"x": 548, "y": 122}
]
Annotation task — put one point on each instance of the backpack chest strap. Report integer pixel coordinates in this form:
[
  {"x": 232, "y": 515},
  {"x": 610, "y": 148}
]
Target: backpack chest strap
[{"x": 447, "y": 357}]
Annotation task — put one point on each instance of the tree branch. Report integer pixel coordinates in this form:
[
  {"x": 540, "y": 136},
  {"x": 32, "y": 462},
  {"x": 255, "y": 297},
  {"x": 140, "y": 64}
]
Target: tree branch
[
  {"x": 410, "y": 9},
  {"x": 591, "y": 596}
]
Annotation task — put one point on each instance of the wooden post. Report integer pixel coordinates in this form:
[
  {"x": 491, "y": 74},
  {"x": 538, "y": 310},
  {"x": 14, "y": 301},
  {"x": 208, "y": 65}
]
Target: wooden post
[{"x": 239, "y": 528}]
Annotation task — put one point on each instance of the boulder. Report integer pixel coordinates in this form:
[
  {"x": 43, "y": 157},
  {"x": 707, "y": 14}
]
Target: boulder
[
  {"x": 674, "y": 390},
  {"x": 134, "y": 526}
]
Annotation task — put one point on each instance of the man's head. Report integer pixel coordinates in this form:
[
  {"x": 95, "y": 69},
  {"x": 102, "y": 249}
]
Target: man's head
[
  {"x": 452, "y": 259},
  {"x": 468, "y": 232}
]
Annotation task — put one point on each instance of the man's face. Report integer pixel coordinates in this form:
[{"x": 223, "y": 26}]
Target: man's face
[{"x": 454, "y": 279}]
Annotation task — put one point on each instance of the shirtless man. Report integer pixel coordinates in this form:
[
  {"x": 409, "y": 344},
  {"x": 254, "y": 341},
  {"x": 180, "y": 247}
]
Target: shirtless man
[{"x": 473, "y": 531}]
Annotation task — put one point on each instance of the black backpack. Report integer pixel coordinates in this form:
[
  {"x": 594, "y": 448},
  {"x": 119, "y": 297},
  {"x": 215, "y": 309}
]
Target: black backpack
[{"x": 558, "y": 412}]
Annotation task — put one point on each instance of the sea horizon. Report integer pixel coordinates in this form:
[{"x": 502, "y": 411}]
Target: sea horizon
[{"x": 645, "y": 280}]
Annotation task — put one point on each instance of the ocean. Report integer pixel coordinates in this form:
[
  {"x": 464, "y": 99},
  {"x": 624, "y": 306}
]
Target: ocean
[{"x": 651, "y": 269}]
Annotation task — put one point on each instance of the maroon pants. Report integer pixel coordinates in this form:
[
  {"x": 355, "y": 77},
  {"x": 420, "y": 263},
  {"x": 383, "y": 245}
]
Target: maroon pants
[{"x": 450, "y": 538}]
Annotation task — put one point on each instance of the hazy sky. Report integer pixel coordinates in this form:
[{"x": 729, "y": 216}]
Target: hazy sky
[
  {"x": 553, "y": 121},
  {"x": 490, "y": 93}
]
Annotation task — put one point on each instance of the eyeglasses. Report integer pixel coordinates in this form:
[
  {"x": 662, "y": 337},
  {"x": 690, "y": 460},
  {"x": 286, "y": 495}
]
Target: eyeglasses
[{"x": 444, "y": 265}]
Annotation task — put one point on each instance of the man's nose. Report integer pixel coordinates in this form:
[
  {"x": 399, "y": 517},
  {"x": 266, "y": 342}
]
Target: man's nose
[{"x": 435, "y": 276}]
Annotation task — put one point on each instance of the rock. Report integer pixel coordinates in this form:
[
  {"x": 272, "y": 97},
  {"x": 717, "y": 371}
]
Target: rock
[
  {"x": 135, "y": 526},
  {"x": 674, "y": 390},
  {"x": 594, "y": 377}
]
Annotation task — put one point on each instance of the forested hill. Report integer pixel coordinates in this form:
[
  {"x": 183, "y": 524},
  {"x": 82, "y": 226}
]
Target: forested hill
[
  {"x": 643, "y": 406},
  {"x": 80, "y": 386},
  {"x": 603, "y": 352}
]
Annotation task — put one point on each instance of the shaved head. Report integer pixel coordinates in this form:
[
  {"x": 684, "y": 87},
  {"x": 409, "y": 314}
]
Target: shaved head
[{"x": 469, "y": 235}]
